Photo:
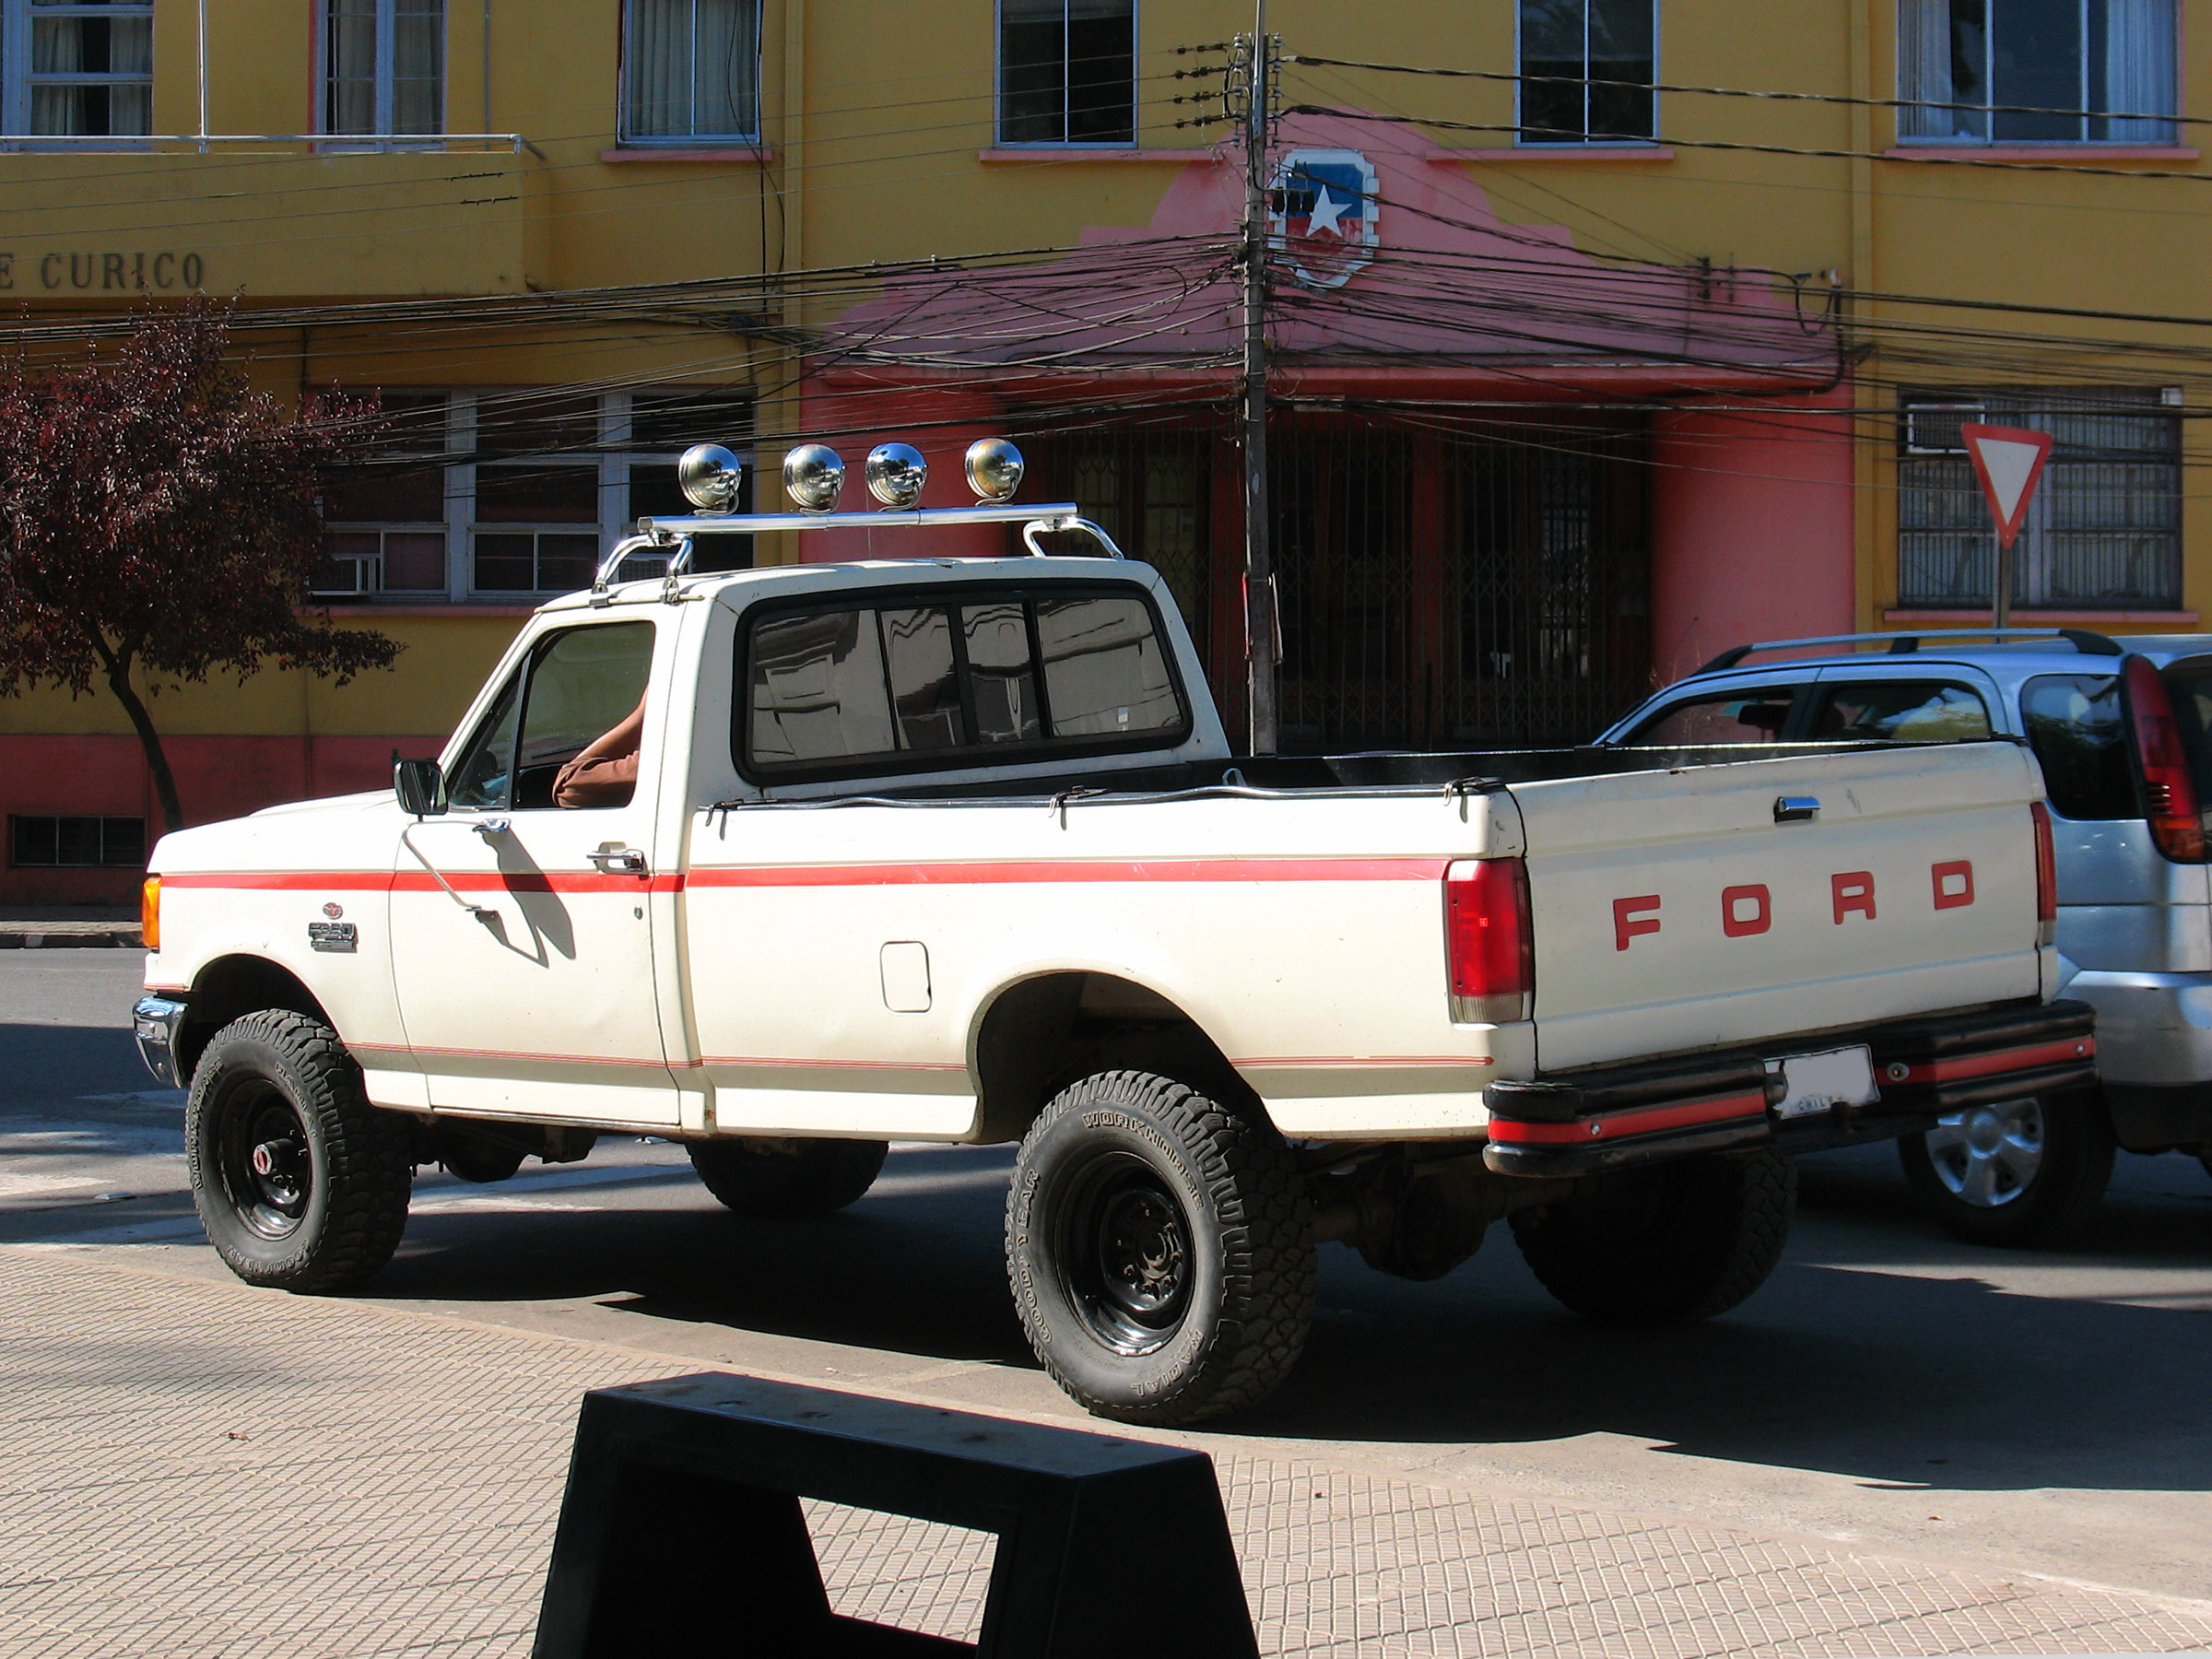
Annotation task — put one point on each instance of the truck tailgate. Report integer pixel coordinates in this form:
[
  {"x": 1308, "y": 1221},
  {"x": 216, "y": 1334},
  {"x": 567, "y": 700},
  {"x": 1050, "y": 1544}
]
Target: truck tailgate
[{"x": 1674, "y": 911}]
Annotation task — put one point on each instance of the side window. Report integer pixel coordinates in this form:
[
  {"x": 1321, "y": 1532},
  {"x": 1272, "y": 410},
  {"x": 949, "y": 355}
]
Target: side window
[
  {"x": 1756, "y": 716},
  {"x": 1899, "y": 712},
  {"x": 480, "y": 777},
  {"x": 957, "y": 679},
  {"x": 2074, "y": 727},
  {"x": 580, "y": 685}
]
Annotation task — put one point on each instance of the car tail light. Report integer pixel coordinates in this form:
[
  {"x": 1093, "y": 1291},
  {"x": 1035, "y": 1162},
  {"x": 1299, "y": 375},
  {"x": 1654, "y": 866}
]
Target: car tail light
[
  {"x": 1488, "y": 951},
  {"x": 2169, "y": 789},
  {"x": 149, "y": 912},
  {"x": 2046, "y": 876}
]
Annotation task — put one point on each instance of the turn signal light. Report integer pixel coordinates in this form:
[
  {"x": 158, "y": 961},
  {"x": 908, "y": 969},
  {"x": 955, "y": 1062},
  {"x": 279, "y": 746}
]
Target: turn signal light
[
  {"x": 2046, "y": 876},
  {"x": 2169, "y": 787},
  {"x": 149, "y": 912},
  {"x": 1489, "y": 952}
]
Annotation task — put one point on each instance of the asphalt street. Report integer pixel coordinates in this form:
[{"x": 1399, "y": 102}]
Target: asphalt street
[{"x": 1888, "y": 1389}]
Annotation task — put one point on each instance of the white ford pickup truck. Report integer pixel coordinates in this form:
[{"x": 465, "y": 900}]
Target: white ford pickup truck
[{"x": 956, "y": 850}]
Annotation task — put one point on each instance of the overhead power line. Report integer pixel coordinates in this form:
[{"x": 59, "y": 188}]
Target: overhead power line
[
  {"x": 1819, "y": 98},
  {"x": 1915, "y": 159}
]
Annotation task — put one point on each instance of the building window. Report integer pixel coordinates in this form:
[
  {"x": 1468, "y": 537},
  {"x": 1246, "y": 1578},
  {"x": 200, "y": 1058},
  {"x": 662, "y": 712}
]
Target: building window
[
  {"x": 83, "y": 843},
  {"x": 2097, "y": 71},
  {"x": 691, "y": 70},
  {"x": 79, "y": 69},
  {"x": 1587, "y": 68},
  {"x": 1067, "y": 71},
  {"x": 2104, "y": 529},
  {"x": 513, "y": 491},
  {"x": 384, "y": 521},
  {"x": 384, "y": 66}
]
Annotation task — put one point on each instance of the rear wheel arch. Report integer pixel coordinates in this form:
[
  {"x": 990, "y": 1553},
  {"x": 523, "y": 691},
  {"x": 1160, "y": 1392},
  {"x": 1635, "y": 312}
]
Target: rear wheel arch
[
  {"x": 230, "y": 987},
  {"x": 1040, "y": 1034}
]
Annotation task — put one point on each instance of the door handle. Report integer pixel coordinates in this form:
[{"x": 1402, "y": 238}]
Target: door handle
[
  {"x": 620, "y": 861},
  {"x": 1797, "y": 810}
]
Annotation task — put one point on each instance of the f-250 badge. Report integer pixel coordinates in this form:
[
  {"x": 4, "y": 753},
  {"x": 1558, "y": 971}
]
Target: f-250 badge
[{"x": 332, "y": 935}]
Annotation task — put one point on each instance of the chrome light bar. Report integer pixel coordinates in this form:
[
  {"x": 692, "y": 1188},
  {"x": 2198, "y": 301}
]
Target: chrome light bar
[
  {"x": 673, "y": 538},
  {"x": 741, "y": 524}
]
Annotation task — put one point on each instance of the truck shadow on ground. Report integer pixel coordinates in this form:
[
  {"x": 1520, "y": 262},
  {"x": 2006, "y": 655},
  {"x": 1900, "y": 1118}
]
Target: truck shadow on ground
[
  {"x": 1879, "y": 1350},
  {"x": 916, "y": 1267}
]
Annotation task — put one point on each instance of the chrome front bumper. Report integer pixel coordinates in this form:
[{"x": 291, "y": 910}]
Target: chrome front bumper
[{"x": 154, "y": 1022}]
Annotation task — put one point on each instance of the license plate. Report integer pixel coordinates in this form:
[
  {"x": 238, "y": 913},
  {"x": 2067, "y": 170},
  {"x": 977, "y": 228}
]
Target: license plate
[{"x": 1811, "y": 1084}]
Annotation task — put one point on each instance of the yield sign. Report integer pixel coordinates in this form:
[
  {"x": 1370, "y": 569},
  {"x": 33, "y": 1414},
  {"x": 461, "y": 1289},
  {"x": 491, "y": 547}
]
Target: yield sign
[{"x": 2007, "y": 460}]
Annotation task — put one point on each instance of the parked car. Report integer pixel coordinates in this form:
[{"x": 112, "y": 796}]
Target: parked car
[
  {"x": 957, "y": 850},
  {"x": 2123, "y": 732}
]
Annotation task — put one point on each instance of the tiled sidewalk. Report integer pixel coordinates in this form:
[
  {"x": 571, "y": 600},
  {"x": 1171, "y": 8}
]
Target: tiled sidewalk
[{"x": 190, "y": 1468}]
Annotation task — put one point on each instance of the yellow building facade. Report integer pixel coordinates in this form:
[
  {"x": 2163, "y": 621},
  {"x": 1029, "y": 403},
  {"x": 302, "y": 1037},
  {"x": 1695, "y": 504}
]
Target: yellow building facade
[{"x": 1588, "y": 363}]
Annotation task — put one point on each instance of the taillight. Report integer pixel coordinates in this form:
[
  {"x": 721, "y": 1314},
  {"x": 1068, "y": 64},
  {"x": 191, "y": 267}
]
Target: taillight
[
  {"x": 2168, "y": 790},
  {"x": 1490, "y": 954},
  {"x": 149, "y": 912},
  {"x": 2046, "y": 876}
]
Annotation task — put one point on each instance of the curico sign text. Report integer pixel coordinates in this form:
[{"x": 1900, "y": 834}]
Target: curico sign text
[{"x": 104, "y": 271}]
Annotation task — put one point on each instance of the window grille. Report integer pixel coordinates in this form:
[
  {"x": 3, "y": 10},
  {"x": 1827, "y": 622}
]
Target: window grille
[
  {"x": 77, "y": 842},
  {"x": 2103, "y": 528}
]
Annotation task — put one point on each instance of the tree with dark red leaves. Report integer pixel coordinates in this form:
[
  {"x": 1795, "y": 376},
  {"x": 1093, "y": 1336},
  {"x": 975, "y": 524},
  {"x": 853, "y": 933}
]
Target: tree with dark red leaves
[{"x": 159, "y": 521}]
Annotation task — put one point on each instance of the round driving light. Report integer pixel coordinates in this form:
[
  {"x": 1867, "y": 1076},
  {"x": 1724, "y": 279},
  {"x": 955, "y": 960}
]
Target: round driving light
[
  {"x": 896, "y": 473},
  {"x": 994, "y": 469},
  {"x": 814, "y": 476},
  {"x": 712, "y": 479}
]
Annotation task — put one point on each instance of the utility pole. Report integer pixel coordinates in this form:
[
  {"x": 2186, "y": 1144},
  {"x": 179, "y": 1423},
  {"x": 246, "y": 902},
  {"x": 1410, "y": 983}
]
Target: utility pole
[{"x": 1259, "y": 567}]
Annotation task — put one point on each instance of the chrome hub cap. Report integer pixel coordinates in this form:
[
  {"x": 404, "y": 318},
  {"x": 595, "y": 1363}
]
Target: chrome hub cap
[{"x": 1989, "y": 1156}]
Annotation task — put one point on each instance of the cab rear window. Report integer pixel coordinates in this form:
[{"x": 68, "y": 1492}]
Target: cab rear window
[{"x": 936, "y": 681}]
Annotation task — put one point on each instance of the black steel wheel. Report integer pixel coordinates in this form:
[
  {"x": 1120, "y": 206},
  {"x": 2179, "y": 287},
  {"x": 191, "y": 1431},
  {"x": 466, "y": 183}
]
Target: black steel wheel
[
  {"x": 1160, "y": 1250},
  {"x": 301, "y": 1182},
  {"x": 2018, "y": 1173},
  {"x": 788, "y": 1179},
  {"x": 1673, "y": 1242}
]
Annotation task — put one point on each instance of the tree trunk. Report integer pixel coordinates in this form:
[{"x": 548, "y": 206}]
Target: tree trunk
[{"x": 157, "y": 762}]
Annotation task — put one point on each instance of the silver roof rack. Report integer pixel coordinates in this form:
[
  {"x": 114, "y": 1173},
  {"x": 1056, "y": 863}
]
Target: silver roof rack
[{"x": 1903, "y": 645}]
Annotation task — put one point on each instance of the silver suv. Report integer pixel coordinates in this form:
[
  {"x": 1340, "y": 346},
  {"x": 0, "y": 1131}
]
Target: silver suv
[{"x": 2123, "y": 733}]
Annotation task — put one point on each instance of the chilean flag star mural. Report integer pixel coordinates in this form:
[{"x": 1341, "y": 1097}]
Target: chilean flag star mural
[{"x": 1321, "y": 207}]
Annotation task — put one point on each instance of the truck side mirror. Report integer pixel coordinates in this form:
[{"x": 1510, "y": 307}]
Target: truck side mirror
[{"x": 420, "y": 787}]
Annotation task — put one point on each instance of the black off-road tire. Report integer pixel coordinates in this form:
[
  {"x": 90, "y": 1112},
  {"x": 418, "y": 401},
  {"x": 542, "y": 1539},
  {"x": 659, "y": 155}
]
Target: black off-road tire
[
  {"x": 1675, "y": 1241},
  {"x": 1160, "y": 1250},
  {"x": 788, "y": 1180},
  {"x": 326, "y": 1211},
  {"x": 2070, "y": 1139}
]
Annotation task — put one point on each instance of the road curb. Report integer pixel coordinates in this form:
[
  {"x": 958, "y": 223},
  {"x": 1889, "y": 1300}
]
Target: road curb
[{"x": 66, "y": 935}]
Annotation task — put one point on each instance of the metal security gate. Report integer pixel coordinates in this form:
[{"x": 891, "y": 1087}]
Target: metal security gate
[
  {"x": 1460, "y": 588},
  {"x": 1441, "y": 584}
]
